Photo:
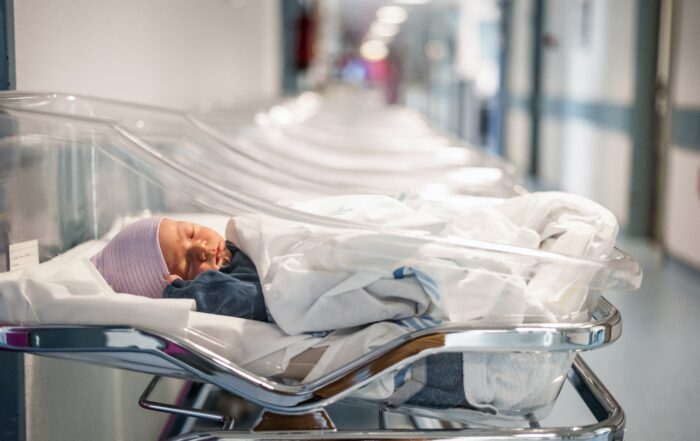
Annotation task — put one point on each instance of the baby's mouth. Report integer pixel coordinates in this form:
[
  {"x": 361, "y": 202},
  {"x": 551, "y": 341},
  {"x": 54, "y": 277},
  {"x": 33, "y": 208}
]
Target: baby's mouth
[{"x": 224, "y": 255}]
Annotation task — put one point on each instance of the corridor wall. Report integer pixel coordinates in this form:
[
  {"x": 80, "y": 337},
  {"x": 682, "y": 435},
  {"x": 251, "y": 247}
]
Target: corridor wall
[{"x": 682, "y": 173}]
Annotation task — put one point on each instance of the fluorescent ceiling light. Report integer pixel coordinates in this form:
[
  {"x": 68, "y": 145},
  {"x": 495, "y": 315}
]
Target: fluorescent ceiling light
[
  {"x": 374, "y": 50},
  {"x": 384, "y": 30},
  {"x": 392, "y": 14}
]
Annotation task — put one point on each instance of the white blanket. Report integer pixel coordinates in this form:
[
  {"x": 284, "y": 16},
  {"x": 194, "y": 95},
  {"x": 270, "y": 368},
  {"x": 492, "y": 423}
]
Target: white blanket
[
  {"x": 316, "y": 278},
  {"x": 69, "y": 290}
]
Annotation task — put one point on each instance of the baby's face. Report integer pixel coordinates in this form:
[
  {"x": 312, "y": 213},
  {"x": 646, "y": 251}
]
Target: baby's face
[{"x": 190, "y": 249}]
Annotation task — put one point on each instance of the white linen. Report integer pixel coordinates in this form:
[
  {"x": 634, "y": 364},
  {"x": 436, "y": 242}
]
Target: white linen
[
  {"x": 68, "y": 290},
  {"x": 514, "y": 380},
  {"x": 316, "y": 278}
]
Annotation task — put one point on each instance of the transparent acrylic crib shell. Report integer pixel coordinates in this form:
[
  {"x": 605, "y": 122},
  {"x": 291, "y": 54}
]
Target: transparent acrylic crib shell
[
  {"x": 147, "y": 352},
  {"x": 68, "y": 179},
  {"x": 281, "y": 168},
  {"x": 362, "y": 141},
  {"x": 102, "y": 140}
]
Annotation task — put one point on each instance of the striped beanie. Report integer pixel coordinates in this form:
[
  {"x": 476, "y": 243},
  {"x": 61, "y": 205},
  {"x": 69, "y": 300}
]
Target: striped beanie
[{"x": 132, "y": 261}]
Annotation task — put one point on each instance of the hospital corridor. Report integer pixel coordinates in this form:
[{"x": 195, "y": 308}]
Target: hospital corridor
[{"x": 349, "y": 220}]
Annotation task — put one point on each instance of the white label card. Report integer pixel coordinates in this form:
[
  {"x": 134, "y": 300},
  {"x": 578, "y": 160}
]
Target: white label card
[{"x": 24, "y": 254}]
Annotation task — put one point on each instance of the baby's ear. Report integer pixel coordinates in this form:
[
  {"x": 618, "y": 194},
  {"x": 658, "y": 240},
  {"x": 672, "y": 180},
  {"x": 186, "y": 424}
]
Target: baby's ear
[{"x": 171, "y": 278}]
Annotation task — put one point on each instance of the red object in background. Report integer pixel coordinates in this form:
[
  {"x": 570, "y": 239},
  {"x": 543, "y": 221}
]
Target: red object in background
[
  {"x": 305, "y": 40},
  {"x": 386, "y": 73},
  {"x": 378, "y": 71}
]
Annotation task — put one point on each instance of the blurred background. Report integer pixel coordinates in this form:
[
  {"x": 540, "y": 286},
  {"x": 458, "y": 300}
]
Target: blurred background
[
  {"x": 576, "y": 93},
  {"x": 593, "y": 97},
  {"x": 598, "y": 98}
]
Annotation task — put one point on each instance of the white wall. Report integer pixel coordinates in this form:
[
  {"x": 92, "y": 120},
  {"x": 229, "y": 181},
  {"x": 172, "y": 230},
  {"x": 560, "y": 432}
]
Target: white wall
[
  {"x": 682, "y": 205},
  {"x": 577, "y": 155},
  {"x": 681, "y": 221},
  {"x": 174, "y": 53},
  {"x": 582, "y": 158},
  {"x": 601, "y": 70}
]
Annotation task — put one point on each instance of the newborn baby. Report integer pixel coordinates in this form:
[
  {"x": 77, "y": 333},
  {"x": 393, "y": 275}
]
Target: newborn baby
[{"x": 160, "y": 257}]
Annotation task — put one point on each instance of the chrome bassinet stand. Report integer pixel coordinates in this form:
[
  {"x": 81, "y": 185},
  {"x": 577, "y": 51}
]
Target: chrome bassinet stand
[
  {"x": 610, "y": 423},
  {"x": 297, "y": 411}
]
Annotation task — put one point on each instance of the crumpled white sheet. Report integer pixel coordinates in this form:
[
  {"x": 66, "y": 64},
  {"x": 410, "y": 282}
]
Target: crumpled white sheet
[
  {"x": 550, "y": 221},
  {"x": 316, "y": 279},
  {"x": 525, "y": 380},
  {"x": 70, "y": 291}
]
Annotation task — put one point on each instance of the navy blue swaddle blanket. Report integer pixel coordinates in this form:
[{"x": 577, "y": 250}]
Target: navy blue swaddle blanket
[{"x": 234, "y": 290}]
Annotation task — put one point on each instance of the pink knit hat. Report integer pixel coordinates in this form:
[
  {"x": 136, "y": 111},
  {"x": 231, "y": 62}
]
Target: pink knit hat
[{"x": 132, "y": 262}]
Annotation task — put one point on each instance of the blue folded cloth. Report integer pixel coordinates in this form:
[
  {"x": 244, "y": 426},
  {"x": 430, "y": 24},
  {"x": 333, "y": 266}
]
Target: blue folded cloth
[{"x": 444, "y": 383}]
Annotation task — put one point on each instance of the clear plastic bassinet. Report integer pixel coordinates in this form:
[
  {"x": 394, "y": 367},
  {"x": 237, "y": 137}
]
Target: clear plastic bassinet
[
  {"x": 281, "y": 166},
  {"x": 69, "y": 179},
  {"x": 338, "y": 133}
]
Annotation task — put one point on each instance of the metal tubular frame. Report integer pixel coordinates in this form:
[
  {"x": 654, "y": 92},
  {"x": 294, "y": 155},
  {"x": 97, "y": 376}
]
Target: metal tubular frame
[
  {"x": 610, "y": 425},
  {"x": 130, "y": 348},
  {"x": 144, "y": 402}
]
